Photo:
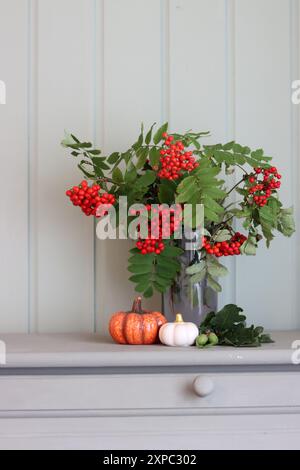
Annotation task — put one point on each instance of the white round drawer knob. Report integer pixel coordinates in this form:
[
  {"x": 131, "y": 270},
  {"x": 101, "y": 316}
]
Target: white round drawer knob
[{"x": 203, "y": 386}]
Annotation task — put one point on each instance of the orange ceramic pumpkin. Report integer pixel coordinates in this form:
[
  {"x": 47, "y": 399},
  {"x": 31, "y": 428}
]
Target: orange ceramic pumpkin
[{"x": 136, "y": 326}]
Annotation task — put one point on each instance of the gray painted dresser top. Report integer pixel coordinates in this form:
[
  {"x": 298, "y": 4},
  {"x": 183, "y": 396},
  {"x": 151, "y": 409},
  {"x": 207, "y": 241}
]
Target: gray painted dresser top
[{"x": 92, "y": 351}]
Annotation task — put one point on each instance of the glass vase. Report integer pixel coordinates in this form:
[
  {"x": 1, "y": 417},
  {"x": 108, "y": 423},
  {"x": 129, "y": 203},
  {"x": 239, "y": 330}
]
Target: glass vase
[{"x": 193, "y": 301}]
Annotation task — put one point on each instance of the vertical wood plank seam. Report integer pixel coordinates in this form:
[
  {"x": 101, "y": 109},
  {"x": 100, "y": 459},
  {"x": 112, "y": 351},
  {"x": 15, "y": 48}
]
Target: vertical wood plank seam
[
  {"x": 294, "y": 20},
  {"x": 32, "y": 11},
  {"x": 230, "y": 126},
  {"x": 99, "y": 134},
  {"x": 95, "y": 121},
  {"x": 165, "y": 59},
  {"x": 230, "y": 67},
  {"x": 165, "y": 70},
  {"x": 28, "y": 166}
]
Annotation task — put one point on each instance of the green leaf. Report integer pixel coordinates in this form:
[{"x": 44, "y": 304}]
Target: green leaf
[
  {"x": 113, "y": 157},
  {"x": 75, "y": 139},
  {"x": 211, "y": 215},
  {"x": 153, "y": 272},
  {"x": 149, "y": 135},
  {"x": 158, "y": 136},
  {"x": 117, "y": 175},
  {"x": 241, "y": 336},
  {"x": 186, "y": 183},
  {"x": 80, "y": 145},
  {"x": 257, "y": 154},
  {"x": 197, "y": 272},
  {"x": 198, "y": 277},
  {"x": 229, "y": 145},
  {"x": 241, "y": 191},
  {"x": 202, "y": 174},
  {"x": 172, "y": 251},
  {"x": 224, "y": 157},
  {"x": 163, "y": 280},
  {"x": 169, "y": 263},
  {"x": 99, "y": 162},
  {"x": 140, "y": 140},
  {"x": 187, "y": 189},
  {"x": 222, "y": 235},
  {"x": 130, "y": 175},
  {"x": 230, "y": 327},
  {"x": 195, "y": 268},
  {"x": 142, "y": 259},
  {"x": 159, "y": 287},
  {"x": 154, "y": 157},
  {"x": 138, "y": 268},
  {"x": 266, "y": 213},
  {"x": 264, "y": 338},
  {"x": 215, "y": 268},
  {"x": 268, "y": 221},
  {"x": 249, "y": 246},
  {"x": 252, "y": 162},
  {"x": 121, "y": 157},
  {"x": 148, "y": 292},
  {"x": 167, "y": 272},
  {"x": 215, "y": 193},
  {"x": 69, "y": 139},
  {"x": 237, "y": 148},
  {"x": 85, "y": 171},
  {"x": 286, "y": 222},
  {"x": 166, "y": 192},
  {"x": 213, "y": 284},
  {"x": 229, "y": 316},
  {"x": 127, "y": 157},
  {"x": 140, "y": 278},
  {"x": 147, "y": 179},
  {"x": 143, "y": 286},
  {"x": 239, "y": 159},
  {"x": 142, "y": 157},
  {"x": 275, "y": 205},
  {"x": 195, "y": 142},
  {"x": 209, "y": 203},
  {"x": 245, "y": 212}
]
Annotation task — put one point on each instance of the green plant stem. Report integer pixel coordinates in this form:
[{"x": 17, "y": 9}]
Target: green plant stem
[
  {"x": 222, "y": 224},
  {"x": 108, "y": 180},
  {"x": 243, "y": 169},
  {"x": 232, "y": 204},
  {"x": 233, "y": 188}
]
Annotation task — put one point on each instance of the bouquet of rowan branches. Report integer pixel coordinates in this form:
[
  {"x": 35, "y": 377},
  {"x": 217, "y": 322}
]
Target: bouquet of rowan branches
[{"x": 234, "y": 184}]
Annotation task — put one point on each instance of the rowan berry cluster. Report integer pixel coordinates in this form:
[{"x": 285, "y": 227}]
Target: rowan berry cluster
[
  {"x": 162, "y": 224},
  {"x": 261, "y": 184},
  {"x": 150, "y": 246},
  {"x": 89, "y": 198},
  {"x": 226, "y": 248},
  {"x": 174, "y": 159}
]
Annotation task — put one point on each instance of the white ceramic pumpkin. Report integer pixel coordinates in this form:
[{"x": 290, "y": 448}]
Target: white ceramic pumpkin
[{"x": 179, "y": 333}]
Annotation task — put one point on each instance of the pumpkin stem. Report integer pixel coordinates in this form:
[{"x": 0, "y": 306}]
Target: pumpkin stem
[
  {"x": 179, "y": 318},
  {"x": 137, "y": 305}
]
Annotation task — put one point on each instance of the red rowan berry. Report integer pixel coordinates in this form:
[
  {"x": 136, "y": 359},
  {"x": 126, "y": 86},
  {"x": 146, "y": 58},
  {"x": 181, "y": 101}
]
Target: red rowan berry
[
  {"x": 174, "y": 160},
  {"x": 89, "y": 198}
]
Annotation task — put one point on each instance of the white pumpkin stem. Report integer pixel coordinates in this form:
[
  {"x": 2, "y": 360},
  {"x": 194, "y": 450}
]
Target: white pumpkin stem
[{"x": 179, "y": 318}]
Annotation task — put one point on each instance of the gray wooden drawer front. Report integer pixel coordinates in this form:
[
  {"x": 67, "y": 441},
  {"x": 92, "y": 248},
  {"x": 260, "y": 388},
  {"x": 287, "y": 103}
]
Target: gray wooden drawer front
[
  {"x": 148, "y": 391},
  {"x": 208, "y": 432}
]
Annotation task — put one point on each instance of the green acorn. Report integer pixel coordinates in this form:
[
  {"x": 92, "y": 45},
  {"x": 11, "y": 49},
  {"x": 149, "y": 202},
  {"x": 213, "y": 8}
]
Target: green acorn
[
  {"x": 201, "y": 340},
  {"x": 213, "y": 339}
]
